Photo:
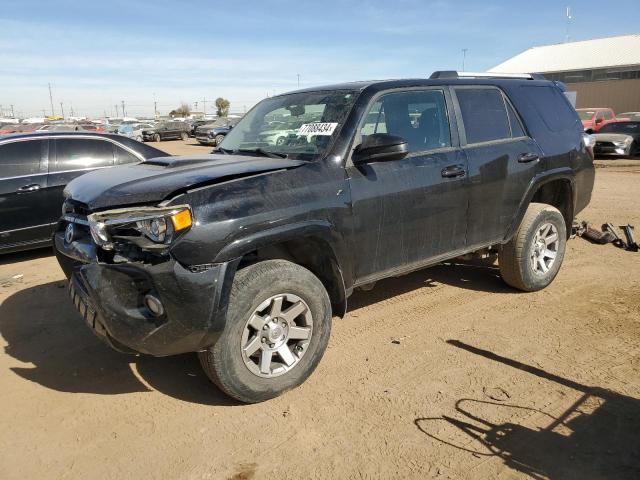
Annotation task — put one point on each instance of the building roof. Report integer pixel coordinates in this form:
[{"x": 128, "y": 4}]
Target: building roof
[{"x": 608, "y": 52}]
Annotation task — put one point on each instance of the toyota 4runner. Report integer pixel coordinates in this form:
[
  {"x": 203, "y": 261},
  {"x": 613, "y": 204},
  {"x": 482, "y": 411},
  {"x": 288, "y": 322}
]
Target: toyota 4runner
[{"x": 244, "y": 256}]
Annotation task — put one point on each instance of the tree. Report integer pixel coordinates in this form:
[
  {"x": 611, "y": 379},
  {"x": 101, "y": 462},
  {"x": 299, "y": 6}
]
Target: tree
[
  {"x": 222, "y": 104},
  {"x": 182, "y": 111}
]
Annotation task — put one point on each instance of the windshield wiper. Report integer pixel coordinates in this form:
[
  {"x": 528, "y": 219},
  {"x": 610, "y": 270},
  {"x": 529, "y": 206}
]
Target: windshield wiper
[{"x": 262, "y": 152}]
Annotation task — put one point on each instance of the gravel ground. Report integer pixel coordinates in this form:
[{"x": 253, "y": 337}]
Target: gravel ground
[{"x": 444, "y": 373}]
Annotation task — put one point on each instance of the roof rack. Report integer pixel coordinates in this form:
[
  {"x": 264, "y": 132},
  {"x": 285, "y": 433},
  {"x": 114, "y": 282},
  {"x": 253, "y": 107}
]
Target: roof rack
[{"x": 449, "y": 74}]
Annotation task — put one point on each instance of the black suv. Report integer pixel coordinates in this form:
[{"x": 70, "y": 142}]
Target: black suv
[
  {"x": 34, "y": 169},
  {"x": 167, "y": 131},
  {"x": 213, "y": 133},
  {"x": 246, "y": 255}
]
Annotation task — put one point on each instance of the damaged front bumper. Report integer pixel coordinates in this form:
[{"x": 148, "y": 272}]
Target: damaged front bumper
[{"x": 113, "y": 299}]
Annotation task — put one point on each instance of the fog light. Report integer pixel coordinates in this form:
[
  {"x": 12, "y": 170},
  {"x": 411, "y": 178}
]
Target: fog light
[{"x": 154, "y": 305}]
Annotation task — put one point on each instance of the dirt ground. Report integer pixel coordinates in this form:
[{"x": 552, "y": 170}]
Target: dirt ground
[{"x": 444, "y": 373}]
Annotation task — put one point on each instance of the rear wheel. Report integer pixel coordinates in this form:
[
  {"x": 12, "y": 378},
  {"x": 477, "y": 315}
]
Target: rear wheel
[
  {"x": 184, "y": 136},
  {"x": 532, "y": 258},
  {"x": 278, "y": 326},
  {"x": 139, "y": 138}
]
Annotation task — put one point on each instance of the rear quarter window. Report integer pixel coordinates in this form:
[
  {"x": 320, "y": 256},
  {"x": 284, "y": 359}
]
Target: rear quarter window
[{"x": 552, "y": 106}]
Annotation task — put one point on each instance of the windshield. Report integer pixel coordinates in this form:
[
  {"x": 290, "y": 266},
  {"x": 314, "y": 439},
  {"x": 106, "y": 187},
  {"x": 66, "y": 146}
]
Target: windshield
[
  {"x": 586, "y": 114},
  {"x": 621, "y": 127},
  {"x": 299, "y": 125}
]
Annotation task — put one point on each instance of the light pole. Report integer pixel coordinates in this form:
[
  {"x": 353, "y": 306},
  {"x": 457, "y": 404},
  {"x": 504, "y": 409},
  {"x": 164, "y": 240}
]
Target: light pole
[
  {"x": 62, "y": 110},
  {"x": 298, "y": 75},
  {"x": 51, "y": 100},
  {"x": 464, "y": 57}
]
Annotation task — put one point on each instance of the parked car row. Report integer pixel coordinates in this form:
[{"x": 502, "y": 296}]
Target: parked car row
[{"x": 614, "y": 135}]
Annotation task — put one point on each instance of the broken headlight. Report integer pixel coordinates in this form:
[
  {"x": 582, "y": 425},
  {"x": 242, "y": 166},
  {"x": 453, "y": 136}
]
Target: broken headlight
[{"x": 147, "y": 227}]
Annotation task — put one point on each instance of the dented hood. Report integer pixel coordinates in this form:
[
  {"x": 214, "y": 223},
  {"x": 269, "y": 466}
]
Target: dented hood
[{"x": 158, "y": 178}]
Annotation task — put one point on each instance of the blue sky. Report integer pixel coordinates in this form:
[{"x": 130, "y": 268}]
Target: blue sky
[{"x": 98, "y": 53}]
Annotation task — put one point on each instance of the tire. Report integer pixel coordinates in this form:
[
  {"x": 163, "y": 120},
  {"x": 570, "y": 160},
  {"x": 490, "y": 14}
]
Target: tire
[
  {"x": 219, "y": 139},
  {"x": 184, "y": 136},
  {"x": 525, "y": 261},
  {"x": 139, "y": 138},
  {"x": 254, "y": 294},
  {"x": 281, "y": 141},
  {"x": 157, "y": 138}
]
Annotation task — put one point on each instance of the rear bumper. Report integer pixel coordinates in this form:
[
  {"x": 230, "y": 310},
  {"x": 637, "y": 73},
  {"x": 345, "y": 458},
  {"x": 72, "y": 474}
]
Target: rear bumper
[{"x": 110, "y": 297}]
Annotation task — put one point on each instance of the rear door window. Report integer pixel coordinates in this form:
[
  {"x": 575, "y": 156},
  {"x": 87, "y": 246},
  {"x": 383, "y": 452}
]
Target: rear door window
[
  {"x": 514, "y": 121},
  {"x": 19, "y": 159},
  {"x": 484, "y": 114},
  {"x": 81, "y": 154}
]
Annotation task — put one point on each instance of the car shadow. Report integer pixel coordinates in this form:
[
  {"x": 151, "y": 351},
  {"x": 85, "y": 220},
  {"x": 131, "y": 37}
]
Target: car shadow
[
  {"x": 43, "y": 330},
  {"x": 26, "y": 255},
  {"x": 596, "y": 437},
  {"x": 467, "y": 275}
]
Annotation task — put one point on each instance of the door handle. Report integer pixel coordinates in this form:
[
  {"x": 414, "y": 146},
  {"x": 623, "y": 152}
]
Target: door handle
[
  {"x": 528, "y": 157},
  {"x": 32, "y": 187},
  {"x": 453, "y": 171}
]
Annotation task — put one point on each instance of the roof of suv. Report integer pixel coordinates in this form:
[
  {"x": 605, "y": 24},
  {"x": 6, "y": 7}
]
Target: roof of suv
[{"x": 421, "y": 82}]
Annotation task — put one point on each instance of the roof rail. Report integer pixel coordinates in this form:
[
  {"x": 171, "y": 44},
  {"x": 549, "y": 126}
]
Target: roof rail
[{"x": 449, "y": 74}]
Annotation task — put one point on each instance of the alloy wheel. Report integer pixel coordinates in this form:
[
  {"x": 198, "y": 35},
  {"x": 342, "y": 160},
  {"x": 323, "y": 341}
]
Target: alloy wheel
[
  {"x": 544, "y": 248},
  {"x": 276, "y": 335}
]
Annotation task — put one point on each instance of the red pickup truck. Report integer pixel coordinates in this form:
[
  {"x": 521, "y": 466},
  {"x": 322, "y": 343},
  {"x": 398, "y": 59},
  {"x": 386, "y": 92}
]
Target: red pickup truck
[{"x": 593, "y": 119}]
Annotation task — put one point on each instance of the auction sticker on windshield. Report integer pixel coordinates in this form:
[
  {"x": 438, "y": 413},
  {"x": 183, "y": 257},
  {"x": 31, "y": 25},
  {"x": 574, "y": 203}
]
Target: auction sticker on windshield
[{"x": 317, "y": 128}]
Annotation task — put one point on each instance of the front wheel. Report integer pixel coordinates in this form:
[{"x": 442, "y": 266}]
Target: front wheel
[
  {"x": 157, "y": 138},
  {"x": 219, "y": 139},
  {"x": 184, "y": 136},
  {"x": 531, "y": 259},
  {"x": 278, "y": 326}
]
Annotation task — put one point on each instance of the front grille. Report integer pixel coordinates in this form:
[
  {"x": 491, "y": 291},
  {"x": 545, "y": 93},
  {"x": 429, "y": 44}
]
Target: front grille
[{"x": 605, "y": 145}]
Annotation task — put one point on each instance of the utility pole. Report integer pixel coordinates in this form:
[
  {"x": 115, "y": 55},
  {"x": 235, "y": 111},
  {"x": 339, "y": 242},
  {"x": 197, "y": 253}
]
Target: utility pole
[
  {"x": 62, "y": 110},
  {"x": 464, "y": 57},
  {"x": 51, "y": 100},
  {"x": 298, "y": 75},
  {"x": 569, "y": 18},
  {"x": 116, "y": 105},
  {"x": 13, "y": 115},
  {"x": 123, "y": 112},
  {"x": 72, "y": 110},
  {"x": 204, "y": 106}
]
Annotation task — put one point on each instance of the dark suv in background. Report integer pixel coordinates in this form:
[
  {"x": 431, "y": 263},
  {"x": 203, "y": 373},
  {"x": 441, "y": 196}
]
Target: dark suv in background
[
  {"x": 246, "y": 255},
  {"x": 213, "y": 133},
  {"x": 167, "y": 131},
  {"x": 34, "y": 169}
]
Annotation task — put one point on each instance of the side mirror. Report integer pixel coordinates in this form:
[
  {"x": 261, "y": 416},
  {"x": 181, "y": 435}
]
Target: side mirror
[
  {"x": 380, "y": 147},
  {"x": 598, "y": 120}
]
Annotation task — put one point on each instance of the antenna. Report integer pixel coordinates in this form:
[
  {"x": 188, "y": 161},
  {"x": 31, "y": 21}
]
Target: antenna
[{"x": 569, "y": 18}]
